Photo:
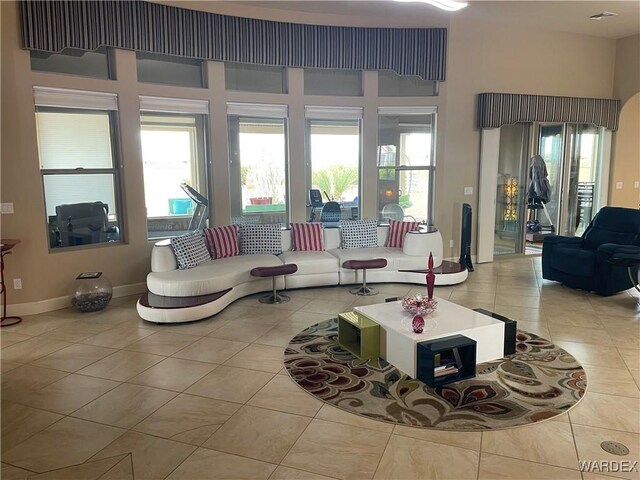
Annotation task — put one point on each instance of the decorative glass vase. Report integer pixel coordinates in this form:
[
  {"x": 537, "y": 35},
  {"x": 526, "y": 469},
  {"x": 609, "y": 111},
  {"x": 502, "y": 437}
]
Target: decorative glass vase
[
  {"x": 431, "y": 278},
  {"x": 91, "y": 292},
  {"x": 418, "y": 324}
]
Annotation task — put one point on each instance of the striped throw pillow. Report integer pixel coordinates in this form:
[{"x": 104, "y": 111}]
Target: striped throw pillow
[
  {"x": 397, "y": 231},
  {"x": 307, "y": 237},
  {"x": 222, "y": 241}
]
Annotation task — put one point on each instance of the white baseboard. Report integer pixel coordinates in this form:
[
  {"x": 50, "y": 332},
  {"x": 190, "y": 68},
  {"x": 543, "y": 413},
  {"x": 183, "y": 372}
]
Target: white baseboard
[{"x": 58, "y": 303}]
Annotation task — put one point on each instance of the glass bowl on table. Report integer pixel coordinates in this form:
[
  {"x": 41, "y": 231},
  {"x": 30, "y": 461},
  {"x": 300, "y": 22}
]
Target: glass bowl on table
[{"x": 418, "y": 305}]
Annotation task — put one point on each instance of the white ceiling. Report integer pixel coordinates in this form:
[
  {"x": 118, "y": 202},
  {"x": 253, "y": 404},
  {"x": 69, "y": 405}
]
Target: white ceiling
[{"x": 565, "y": 16}]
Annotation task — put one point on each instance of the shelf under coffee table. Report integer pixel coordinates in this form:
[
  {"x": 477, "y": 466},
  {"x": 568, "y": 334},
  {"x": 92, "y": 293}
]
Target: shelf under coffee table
[{"x": 398, "y": 342}]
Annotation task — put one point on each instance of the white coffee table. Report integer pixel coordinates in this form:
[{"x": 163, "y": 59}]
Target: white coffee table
[{"x": 398, "y": 343}]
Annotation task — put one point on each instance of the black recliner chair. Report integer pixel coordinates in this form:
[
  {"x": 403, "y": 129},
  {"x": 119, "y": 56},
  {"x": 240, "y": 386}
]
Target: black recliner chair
[{"x": 593, "y": 262}]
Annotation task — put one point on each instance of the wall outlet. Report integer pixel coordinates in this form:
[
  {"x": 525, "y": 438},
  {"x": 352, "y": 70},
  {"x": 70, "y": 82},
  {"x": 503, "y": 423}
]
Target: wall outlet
[
  {"x": 6, "y": 208},
  {"x": 17, "y": 284},
  {"x": 619, "y": 185},
  {"x": 451, "y": 243},
  {"x": 468, "y": 190},
  {"x": 636, "y": 184}
]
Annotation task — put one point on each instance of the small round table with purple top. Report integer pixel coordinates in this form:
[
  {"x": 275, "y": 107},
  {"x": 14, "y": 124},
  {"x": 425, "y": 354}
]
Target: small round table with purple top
[{"x": 273, "y": 272}]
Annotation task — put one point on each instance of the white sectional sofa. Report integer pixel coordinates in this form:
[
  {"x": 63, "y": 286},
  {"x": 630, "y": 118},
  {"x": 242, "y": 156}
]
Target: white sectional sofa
[{"x": 186, "y": 295}]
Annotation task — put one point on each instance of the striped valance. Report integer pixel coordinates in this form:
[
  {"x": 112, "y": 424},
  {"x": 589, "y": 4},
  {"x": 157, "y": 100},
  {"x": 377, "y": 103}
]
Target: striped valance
[
  {"x": 149, "y": 27},
  {"x": 497, "y": 109}
]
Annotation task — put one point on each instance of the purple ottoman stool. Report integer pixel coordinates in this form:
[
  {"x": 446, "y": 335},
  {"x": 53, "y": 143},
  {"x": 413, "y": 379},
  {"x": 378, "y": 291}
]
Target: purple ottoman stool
[
  {"x": 273, "y": 272},
  {"x": 364, "y": 265}
]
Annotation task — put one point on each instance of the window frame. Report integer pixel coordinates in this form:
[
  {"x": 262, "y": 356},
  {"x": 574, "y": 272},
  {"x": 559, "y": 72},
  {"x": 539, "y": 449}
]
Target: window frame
[
  {"x": 236, "y": 69},
  {"x": 108, "y": 53},
  {"x": 236, "y": 112},
  {"x": 199, "y": 168},
  {"x": 174, "y": 60},
  {"x": 114, "y": 171},
  {"x": 308, "y": 152},
  {"x": 397, "y": 168}
]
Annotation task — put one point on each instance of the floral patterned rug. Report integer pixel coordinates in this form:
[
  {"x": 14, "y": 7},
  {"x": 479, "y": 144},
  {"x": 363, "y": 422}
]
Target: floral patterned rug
[{"x": 538, "y": 382}]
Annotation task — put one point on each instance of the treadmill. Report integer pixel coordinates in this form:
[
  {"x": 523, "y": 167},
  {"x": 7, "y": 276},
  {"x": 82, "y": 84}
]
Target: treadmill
[{"x": 200, "y": 213}]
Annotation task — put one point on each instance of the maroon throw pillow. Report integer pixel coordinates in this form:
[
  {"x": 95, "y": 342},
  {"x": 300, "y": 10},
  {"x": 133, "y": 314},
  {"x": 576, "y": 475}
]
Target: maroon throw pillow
[
  {"x": 397, "y": 231},
  {"x": 222, "y": 241},
  {"x": 307, "y": 237}
]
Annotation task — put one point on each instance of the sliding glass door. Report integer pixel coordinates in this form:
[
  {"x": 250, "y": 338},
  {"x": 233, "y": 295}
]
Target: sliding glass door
[
  {"x": 551, "y": 147},
  {"x": 572, "y": 155},
  {"x": 583, "y": 179}
]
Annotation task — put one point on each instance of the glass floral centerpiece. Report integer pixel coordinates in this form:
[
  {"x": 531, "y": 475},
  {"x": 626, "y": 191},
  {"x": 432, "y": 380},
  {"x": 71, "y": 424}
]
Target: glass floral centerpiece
[{"x": 418, "y": 305}]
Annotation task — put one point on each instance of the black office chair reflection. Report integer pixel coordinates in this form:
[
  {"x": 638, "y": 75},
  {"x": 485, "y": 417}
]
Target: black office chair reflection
[
  {"x": 331, "y": 212},
  {"x": 82, "y": 224}
]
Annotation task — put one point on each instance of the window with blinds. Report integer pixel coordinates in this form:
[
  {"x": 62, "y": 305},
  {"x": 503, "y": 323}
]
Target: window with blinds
[
  {"x": 258, "y": 163},
  {"x": 79, "y": 167},
  {"x": 406, "y": 162},
  {"x": 333, "y": 150},
  {"x": 173, "y": 141}
]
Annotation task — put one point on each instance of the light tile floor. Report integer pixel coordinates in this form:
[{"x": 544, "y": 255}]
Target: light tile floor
[{"x": 107, "y": 395}]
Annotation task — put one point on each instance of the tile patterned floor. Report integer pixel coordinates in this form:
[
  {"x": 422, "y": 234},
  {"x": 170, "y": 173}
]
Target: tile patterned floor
[{"x": 106, "y": 395}]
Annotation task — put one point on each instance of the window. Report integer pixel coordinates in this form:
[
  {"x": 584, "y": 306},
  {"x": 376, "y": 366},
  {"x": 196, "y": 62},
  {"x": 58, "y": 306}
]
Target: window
[
  {"x": 172, "y": 137},
  {"x": 255, "y": 78},
  {"x": 390, "y": 84},
  {"x": 333, "y": 156},
  {"x": 258, "y": 163},
  {"x": 79, "y": 166},
  {"x": 95, "y": 64},
  {"x": 185, "y": 72},
  {"x": 406, "y": 162},
  {"x": 319, "y": 81}
]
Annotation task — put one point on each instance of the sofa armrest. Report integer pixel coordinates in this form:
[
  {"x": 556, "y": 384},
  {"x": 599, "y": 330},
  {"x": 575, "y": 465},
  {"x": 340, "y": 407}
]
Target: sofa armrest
[
  {"x": 421, "y": 244},
  {"x": 162, "y": 257},
  {"x": 550, "y": 256},
  {"x": 619, "y": 254}
]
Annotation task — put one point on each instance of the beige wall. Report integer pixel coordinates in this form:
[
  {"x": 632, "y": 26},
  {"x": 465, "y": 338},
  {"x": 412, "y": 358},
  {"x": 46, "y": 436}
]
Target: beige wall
[
  {"x": 44, "y": 275},
  {"x": 490, "y": 57},
  {"x": 625, "y": 166},
  {"x": 627, "y": 68},
  {"x": 482, "y": 57}
]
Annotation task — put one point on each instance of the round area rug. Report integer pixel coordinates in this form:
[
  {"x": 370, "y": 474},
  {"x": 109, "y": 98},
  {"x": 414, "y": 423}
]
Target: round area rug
[{"x": 538, "y": 382}]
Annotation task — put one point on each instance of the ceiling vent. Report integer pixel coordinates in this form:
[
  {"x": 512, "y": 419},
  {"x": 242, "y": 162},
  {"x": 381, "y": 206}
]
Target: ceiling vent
[{"x": 600, "y": 16}]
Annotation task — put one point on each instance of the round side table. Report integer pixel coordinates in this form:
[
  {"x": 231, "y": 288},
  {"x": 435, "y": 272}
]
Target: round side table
[{"x": 7, "y": 245}]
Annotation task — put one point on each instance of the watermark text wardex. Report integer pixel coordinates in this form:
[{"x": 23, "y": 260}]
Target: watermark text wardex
[{"x": 610, "y": 466}]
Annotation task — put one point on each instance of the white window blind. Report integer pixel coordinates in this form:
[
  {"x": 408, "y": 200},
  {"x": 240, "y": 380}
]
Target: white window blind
[
  {"x": 58, "y": 97},
  {"x": 69, "y": 189},
  {"x": 257, "y": 110},
  {"x": 333, "y": 113},
  {"x": 68, "y": 140},
  {"x": 417, "y": 110},
  {"x": 173, "y": 105}
]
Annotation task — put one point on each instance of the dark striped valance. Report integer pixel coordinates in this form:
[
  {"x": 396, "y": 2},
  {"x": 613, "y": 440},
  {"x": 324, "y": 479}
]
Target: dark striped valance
[
  {"x": 148, "y": 27},
  {"x": 497, "y": 109}
]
